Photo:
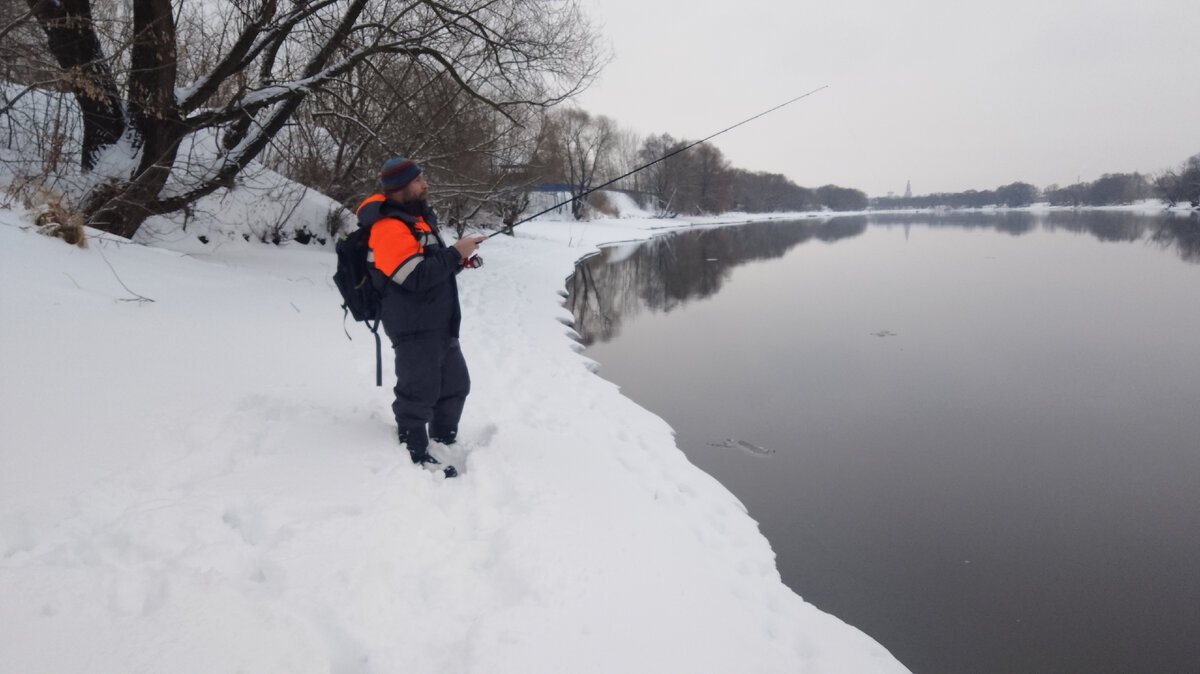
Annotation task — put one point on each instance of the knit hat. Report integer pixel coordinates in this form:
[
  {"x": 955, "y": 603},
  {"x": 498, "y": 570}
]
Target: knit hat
[{"x": 397, "y": 173}]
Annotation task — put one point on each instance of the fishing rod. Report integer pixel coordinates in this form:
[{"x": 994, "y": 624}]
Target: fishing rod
[{"x": 509, "y": 228}]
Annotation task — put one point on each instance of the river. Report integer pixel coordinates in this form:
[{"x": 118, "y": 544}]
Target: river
[{"x": 974, "y": 436}]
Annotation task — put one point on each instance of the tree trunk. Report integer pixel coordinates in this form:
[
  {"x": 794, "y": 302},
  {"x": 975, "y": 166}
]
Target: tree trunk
[
  {"x": 71, "y": 37},
  {"x": 121, "y": 208},
  {"x": 152, "y": 104}
]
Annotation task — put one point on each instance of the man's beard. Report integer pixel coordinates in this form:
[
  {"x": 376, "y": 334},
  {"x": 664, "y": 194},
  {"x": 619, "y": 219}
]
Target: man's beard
[{"x": 413, "y": 206}]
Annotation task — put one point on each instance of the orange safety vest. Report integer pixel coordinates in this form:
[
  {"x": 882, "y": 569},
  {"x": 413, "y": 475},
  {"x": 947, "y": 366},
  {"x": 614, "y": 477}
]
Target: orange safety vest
[{"x": 394, "y": 250}]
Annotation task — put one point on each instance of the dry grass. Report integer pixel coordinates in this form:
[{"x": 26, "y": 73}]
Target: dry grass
[
  {"x": 57, "y": 220},
  {"x": 601, "y": 204}
]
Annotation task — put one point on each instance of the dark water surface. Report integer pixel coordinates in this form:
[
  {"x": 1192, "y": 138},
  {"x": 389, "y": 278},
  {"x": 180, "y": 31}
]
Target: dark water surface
[{"x": 974, "y": 437}]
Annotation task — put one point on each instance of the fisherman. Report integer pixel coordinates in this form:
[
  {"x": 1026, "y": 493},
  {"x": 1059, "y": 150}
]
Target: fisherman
[{"x": 415, "y": 271}]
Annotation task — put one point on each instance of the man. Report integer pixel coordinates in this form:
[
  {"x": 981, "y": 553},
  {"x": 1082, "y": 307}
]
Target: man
[{"x": 415, "y": 271}]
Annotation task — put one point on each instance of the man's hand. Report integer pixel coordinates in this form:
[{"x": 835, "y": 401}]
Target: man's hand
[{"x": 467, "y": 245}]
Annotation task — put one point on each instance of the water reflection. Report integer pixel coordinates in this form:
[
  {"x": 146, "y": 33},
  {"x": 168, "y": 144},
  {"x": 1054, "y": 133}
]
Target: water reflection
[
  {"x": 1012, "y": 222},
  {"x": 1178, "y": 231},
  {"x": 1181, "y": 234},
  {"x": 665, "y": 272}
]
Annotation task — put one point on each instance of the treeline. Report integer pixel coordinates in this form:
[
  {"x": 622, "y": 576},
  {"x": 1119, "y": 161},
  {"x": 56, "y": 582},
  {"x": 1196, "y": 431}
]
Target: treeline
[
  {"x": 757, "y": 192},
  {"x": 584, "y": 151},
  {"x": 1014, "y": 195},
  {"x": 1174, "y": 186}
]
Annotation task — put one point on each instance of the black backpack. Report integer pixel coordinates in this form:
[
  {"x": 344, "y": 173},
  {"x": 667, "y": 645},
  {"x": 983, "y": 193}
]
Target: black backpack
[{"x": 360, "y": 298}]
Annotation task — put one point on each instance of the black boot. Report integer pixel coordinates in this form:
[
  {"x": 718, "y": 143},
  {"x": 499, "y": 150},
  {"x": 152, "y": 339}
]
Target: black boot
[
  {"x": 427, "y": 459},
  {"x": 414, "y": 439},
  {"x": 417, "y": 443},
  {"x": 443, "y": 435}
]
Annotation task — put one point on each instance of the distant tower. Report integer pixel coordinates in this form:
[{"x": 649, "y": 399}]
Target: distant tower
[{"x": 908, "y": 190}]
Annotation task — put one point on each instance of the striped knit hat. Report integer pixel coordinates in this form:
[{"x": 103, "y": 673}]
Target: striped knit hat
[{"x": 397, "y": 173}]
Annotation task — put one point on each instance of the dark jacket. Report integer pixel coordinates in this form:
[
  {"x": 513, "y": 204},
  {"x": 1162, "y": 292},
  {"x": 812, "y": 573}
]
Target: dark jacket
[{"x": 413, "y": 268}]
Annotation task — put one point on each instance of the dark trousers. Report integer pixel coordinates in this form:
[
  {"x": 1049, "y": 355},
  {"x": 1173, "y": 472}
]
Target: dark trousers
[{"x": 432, "y": 383}]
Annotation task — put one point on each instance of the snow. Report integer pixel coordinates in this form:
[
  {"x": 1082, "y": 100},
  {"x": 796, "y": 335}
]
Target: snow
[{"x": 197, "y": 474}]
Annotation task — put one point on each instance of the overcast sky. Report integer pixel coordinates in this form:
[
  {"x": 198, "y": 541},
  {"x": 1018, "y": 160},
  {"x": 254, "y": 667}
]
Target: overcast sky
[{"x": 952, "y": 95}]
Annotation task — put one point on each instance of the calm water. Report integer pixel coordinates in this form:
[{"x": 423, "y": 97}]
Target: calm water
[{"x": 985, "y": 429}]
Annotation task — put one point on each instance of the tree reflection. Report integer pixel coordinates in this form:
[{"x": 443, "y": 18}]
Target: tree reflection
[
  {"x": 1182, "y": 234},
  {"x": 1170, "y": 230},
  {"x": 665, "y": 272},
  {"x": 1012, "y": 222},
  {"x": 1104, "y": 225}
]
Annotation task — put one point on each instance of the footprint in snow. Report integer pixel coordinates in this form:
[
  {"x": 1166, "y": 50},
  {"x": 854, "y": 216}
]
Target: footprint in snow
[{"x": 456, "y": 454}]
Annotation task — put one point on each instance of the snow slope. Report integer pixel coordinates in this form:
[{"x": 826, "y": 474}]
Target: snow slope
[{"x": 197, "y": 474}]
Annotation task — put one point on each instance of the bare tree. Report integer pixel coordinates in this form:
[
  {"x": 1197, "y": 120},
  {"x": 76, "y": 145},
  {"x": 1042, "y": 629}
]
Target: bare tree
[
  {"x": 661, "y": 181},
  {"x": 837, "y": 198},
  {"x": 1169, "y": 187},
  {"x": 1190, "y": 177},
  {"x": 503, "y": 54},
  {"x": 585, "y": 145},
  {"x": 712, "y": 178},
  {"x": 1182, "y": 184},
  {"x": 626, "y": 157},
  {"x": 1016, "y": 195},
  {"x": 1117, "y": 188},
  {"x": 699, "y": 180}
]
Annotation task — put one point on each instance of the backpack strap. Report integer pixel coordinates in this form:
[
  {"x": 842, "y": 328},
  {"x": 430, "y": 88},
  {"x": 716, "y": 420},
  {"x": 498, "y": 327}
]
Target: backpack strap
[
  {"x": 378, "y": 344},
  {"x": 378, "y": 354}
]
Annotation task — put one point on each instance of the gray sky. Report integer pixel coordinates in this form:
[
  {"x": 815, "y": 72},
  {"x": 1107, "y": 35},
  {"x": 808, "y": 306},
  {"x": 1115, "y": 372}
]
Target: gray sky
[{"x": 951, "y": 95}]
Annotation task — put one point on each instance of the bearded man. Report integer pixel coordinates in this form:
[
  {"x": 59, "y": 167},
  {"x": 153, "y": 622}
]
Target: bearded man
[{"x": 415, "y": 271}]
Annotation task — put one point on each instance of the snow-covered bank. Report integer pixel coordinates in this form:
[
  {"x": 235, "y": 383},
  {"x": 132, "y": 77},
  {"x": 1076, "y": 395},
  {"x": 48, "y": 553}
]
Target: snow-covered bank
[
  {"x": 210, "y": 482},
  {"x": 1142, "y": 207}
]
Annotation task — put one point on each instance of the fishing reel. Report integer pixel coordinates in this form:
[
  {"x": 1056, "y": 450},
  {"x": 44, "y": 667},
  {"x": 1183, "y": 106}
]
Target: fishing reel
[{"x": 473, "y": 262}]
